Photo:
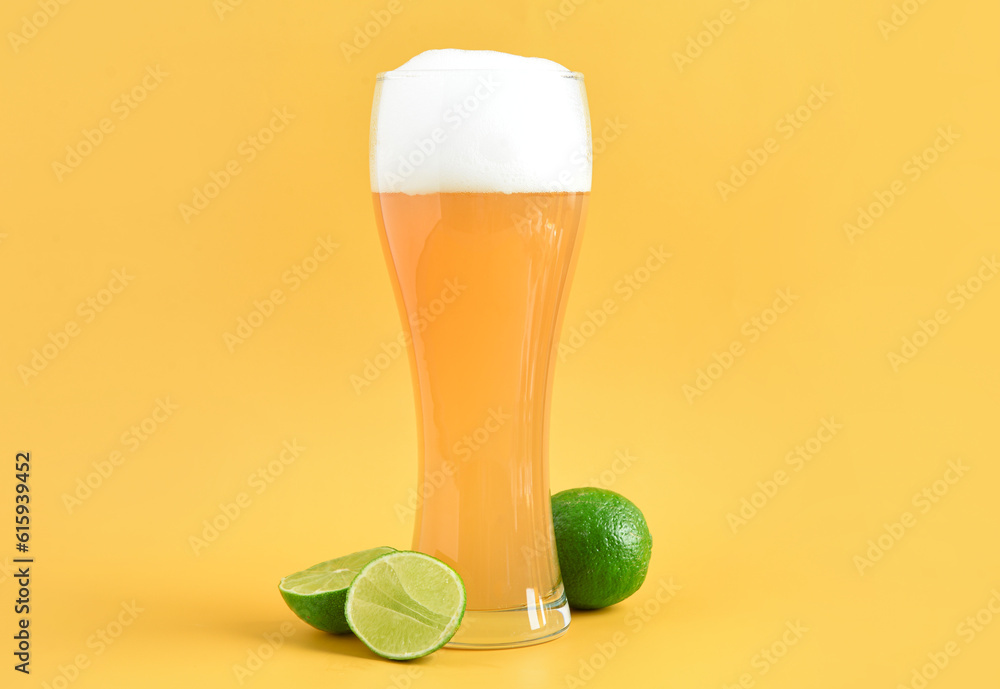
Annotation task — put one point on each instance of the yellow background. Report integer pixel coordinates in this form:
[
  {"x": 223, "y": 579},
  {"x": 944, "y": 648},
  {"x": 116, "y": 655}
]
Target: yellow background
[{"x": 162, "y": 337}]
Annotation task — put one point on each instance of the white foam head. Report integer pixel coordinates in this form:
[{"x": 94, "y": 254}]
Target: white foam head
[{"x": 480, "y": 121}]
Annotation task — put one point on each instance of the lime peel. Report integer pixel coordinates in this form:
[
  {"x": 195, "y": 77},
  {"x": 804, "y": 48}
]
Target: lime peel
[{"x": 317, "y": 595}]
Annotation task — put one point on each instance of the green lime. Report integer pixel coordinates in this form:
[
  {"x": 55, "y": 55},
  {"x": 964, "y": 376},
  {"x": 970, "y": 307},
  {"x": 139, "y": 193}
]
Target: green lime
[
  {"x": 604, "y": 546},
  {"x": 317, "y": 594},
  {"x": 405, "y": 604}
]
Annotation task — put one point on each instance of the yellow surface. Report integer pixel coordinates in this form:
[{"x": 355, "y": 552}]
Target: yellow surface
[{"x": 224, "y": 411}]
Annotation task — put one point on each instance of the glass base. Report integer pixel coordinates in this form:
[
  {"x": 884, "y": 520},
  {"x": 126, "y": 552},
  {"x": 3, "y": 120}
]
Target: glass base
[{"x": 527, "y": 625}]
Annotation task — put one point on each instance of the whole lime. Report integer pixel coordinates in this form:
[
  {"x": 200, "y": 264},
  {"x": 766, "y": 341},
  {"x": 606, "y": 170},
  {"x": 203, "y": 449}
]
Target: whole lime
[{"x": 604, "y": 546}]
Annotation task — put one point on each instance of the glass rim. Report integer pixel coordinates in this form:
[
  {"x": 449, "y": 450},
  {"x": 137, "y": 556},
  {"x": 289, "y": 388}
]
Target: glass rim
[{"x": 411, "y": 73}]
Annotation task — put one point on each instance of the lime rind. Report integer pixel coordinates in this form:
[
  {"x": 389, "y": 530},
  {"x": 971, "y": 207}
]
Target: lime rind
[
  {"x": 317, "y": 595},
  {"x": 331, "y": 575},
  {"x": 405, "y": 605},
  {"x": 604, "y": 546}
]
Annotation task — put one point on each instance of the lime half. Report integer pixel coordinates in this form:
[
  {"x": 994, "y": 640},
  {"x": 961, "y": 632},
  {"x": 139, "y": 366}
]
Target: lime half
[
  {"x": 405, "y": 605},
  {"x": 317, "y": 594}
]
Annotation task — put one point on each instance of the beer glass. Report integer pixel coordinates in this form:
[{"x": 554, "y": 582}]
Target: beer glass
[{"x": 480, "y": 180}]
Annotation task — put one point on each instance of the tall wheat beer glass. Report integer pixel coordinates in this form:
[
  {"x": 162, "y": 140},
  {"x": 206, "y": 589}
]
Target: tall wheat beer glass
[{"x": 480, "y": 173}]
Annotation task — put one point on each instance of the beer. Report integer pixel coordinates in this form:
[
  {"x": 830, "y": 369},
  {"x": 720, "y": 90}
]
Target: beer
[{"x": 481, "y": 258}]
